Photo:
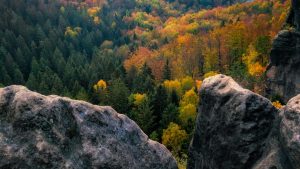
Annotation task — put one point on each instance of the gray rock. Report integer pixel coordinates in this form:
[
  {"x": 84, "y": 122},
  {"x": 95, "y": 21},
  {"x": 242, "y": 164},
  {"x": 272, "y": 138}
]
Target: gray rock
[
  {"x": 238, "y": 129},
  {"x": 283, "y": 72},
  {"x": 232, "y": 127},
  {"x": 290, "y": 131},
  {"x": 39, "y": 131},
  {"x": 294, "y": 15}
]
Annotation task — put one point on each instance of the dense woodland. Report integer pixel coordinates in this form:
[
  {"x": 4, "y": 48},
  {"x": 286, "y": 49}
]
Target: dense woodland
[{"x": 146, "y": 59}]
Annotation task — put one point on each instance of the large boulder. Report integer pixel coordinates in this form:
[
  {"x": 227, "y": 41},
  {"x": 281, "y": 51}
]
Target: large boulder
[
  {"x": 238, "y": 129},
  {"x": 290, "y": 131},
  {"x": 232, "y": 126},
  {"x": 39, "y": 131},
  {"x": 283, "y": 72}
]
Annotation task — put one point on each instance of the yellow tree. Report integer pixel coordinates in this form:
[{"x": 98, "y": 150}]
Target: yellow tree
[
  {"x": 173, "y": 137},
  {"x": 251, "y": 61},
  {"x": 171, "y": 85},
  {"x": 190, "y": 97},
  {"x": 198, "y": 85},
  {"x": 100, "y": 86},
  {"x": 187, "y": 83},
  {"x": 139, "y": 99},
  {"x": 188, "y": 107},
  {"x": 187, "y": 114},
  {"x": 101, "y": 89}
]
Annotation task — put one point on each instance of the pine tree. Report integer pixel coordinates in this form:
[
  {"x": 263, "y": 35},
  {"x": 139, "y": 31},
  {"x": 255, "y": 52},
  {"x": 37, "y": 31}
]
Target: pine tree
[
  {"x": 144, "y": 116},
  {"x": 160, "y": 102},
  {"x": 118, "y": 96},
  {"x": 4, "y": 78},
  {"x": 144, "y": 82},
  {"x": 131, "y": 76},
  {"x": 57, "y": 85},
  {"x": 174, "y": 98},
  {"x": 166, "y": 71},
  {"x": 82, "y": 95},
  {"x": 58, "y": 61},
  {"x": 170, "y": 114},
  {"x": 32, "y": 82}
]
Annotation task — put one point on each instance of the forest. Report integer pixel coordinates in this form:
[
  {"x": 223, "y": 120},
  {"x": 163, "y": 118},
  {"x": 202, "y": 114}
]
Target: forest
[{"x": 145, "y": 58}]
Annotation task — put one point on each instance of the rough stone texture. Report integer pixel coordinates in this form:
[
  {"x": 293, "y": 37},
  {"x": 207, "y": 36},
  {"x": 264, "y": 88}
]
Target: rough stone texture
[
  {"x": 232, "y": 126},
  {"x": 283, "y": 72},
  {"x": 290, "y": 131},
  {"x": 238, "y": 129},
  {"x": 39, "y": 131}
]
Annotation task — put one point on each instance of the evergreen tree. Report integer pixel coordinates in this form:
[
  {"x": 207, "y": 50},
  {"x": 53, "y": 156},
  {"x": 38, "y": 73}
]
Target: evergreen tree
[
  {"x": 82, "y": 95},
  {"x": 32, "y": 82},
  {"x": 166, "y": 71},
  {"x": 170, "y": 114},
  {"x": 118, "y": 96},
  {"x": 4, "y": 78},
  {"x": 58, "y": 61},
  {"x": 35, "y": 68},
  {"x": 160, "y": 102},
  {"x": 144, "y": 82},
  {"x": 130, "y": 76},
  {"x": 174, "y": 98},
  {"x": 57, "y": 85},
  {"x": 144, "y": 116}
]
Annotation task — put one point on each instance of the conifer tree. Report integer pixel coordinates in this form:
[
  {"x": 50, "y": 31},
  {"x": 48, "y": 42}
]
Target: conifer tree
[
  {"x": 160, "y": 102},
  {"x": 166, "y": 71},
  {"x": 118, "y": 96}
]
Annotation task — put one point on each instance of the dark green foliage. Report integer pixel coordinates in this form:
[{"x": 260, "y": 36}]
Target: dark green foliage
[
  {"x": 263, "y": 46},
  {"x": 35, "y": 51},
  {"x": 167, "y": 71},
  {"x": 174, "y": 98},
  {"x": 170, "y": 114},
  {"x": 143, "y": 115},
  {"x": 131, "y": 75},
  {"x": 118, "y": 96},
  {"x": 160, "y": 102},
  {"x": 144, "y": 82}
]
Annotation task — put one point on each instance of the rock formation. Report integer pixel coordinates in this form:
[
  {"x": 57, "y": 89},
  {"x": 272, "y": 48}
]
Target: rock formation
[
  {"x": 290, "y": 131},
  {"x": 39, "y": 131},
  {"x": 238, "y": 129},
  {"x": 294, "y": 15},
  {"x": 283, "y": 72}
]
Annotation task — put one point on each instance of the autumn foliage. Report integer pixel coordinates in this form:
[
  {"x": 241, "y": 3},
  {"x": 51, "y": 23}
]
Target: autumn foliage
[{"x": 144, "y": 58}]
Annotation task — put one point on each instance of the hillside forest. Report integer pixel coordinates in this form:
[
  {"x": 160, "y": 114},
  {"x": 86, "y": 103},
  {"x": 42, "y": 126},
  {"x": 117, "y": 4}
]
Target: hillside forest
[{"x": 145, "y": 58}]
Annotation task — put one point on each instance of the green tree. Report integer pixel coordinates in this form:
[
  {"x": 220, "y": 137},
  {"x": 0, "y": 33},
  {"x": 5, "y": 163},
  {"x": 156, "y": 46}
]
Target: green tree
[
  {"x": 131, "y": 76},
  {"x": 82, "y": 95},
  {"x": 160, "y": 102},
  {"x": 166, "y": 71},
  {"x": 170, "y": 114},
  {"x": 143, "y": 115},
  {"x": 32, "y": 82},
  {"x": 58, "y": 61},
  {"x": 118, "y": 96},
  {"x": 144, "y": 82},
  {"x": 174, "y": 98}
]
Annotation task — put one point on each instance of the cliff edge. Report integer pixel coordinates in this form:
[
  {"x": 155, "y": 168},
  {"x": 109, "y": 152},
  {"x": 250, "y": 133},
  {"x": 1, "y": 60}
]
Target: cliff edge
[
  {"x": 238, "y": 129},
  {"x": 55, "y": 132}
]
